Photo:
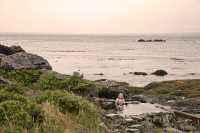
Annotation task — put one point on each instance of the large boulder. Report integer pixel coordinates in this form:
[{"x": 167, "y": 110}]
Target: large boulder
[
  {"x": 23, "y": 60},
  {"x": 160, "y": 73},
  {"x": 10, "y": 50},
  {"x": 111, "y": 88}
]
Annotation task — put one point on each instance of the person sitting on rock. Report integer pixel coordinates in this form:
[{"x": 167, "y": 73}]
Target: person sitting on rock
[{"x": 120, "y": 102}]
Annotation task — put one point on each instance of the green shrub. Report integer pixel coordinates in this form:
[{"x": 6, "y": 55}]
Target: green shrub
[
  {"x": 66, "y": 101},
  {"x": 15, "y": 88},
  {"x": 23, "y": 76},
  {"x": 20, "y": 114},
  {"x": 5, "y": 95},
  {"x": 48, "y": 81},
  {"x": 75, "y": 84}
]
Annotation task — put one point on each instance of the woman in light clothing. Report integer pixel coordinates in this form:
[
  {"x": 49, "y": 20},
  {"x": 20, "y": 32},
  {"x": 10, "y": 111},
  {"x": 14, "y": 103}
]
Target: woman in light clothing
[{"x": 120, "y": 102}]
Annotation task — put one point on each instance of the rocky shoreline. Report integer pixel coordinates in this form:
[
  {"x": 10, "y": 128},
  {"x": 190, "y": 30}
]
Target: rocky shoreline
[{"x": 183, "y": 96}]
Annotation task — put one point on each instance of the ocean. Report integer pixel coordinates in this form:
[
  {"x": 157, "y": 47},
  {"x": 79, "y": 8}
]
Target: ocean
[{"x": 115, "y": 56}]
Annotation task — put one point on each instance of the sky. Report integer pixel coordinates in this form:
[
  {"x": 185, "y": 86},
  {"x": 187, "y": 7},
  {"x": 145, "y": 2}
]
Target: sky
[{"x": 100, "y": 16}]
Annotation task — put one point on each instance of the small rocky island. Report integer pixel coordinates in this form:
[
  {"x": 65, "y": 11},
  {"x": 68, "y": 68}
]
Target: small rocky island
[
  {"x": 34, "y": 98},
  {"x": 150, "y": 40}
]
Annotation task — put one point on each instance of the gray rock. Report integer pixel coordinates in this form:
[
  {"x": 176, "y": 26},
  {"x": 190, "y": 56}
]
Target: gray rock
[
  {"x": 140, "y": 98},
  {"x": 139, "y": 73},
  {"x": 132, "y": 130},
  {"x": 4, "y": 81},
  {"x": 23, "y": 60},
  {"x": 160, "y": 73},
  {"x": 10, "y": 50},
  {"x": 111, "y": 88},
  {"x": 114, "y": 116},
  {"x": 173, "y": 130},
  {"x": 107, "y": 104},
  {"x": 136, "y": 126},
  {"x": 129, "y": 120}
]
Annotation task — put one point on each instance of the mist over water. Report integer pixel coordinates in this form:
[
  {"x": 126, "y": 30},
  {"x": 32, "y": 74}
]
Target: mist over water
[{"x": 116, "y": 55}]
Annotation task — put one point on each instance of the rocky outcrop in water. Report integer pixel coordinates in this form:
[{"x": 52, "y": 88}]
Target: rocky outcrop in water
[
  {"x": 149, "y": 40},
  {"x": 139, "y": 73},
  {"x": 15, "y": 57},
  {"x": 160, "y": 73}
]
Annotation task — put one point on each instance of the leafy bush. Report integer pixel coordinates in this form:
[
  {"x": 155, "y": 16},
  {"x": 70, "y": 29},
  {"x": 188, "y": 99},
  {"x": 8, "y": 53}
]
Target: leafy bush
[
  {"x": 5, "y": 95},
  {"x": 15, "y": 88},
  {"x": 75, "y": 84},
  {"x": 20, "y": 114},
  {"x": 66, "y": 101},
  {"x": 48, "y": 81},
  {"x": 23, "y": 76}
]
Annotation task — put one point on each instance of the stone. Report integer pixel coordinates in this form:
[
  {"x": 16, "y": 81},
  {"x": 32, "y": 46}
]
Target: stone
[
  {"x": 107, "y": 104},
  {"x": 113, "y": 116},
  {"x": 4, "y": 81},
  {"x": 136, "y": 126},
  {"x": 139, "y": 73},
  {"x": 128, "y": 130},
  {"x": 100, "y": 74},
  {"x": 160, "y": 73},
  {"x": 159, "y": 40},
  {"x": 137, "y": 118},
  {"x": 111, "y": 89},
  {"x": 173, "y": 130},
  {"x": 140, "y": 98},
  {"x": 23, "y": 60},
  {"x": 10, "y": 50},
  {"x": 129, "y": 120},
  {"x": 187, "y": 128}
]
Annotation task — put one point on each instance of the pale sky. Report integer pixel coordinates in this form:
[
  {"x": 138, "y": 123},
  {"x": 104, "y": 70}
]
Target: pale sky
[{"x": 100, "y": 16}]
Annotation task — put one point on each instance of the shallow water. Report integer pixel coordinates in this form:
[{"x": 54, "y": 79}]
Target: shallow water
[
  {"x": 143, "y": 108},
  {"x": 116, "y": 56}
]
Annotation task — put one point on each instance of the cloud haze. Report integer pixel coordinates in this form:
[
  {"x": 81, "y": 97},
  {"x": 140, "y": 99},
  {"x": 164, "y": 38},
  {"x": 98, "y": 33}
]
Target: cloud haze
[{"x": 100, "y": 16}]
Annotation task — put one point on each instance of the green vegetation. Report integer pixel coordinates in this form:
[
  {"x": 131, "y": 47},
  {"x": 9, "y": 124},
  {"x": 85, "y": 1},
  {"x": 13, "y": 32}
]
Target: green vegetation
[
  {"x": 36, "y": 101},
  {"x": 179, "y": 88}
]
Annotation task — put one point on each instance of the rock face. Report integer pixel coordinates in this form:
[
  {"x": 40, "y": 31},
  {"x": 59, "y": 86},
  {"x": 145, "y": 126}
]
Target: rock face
[
  {"x": 10, "y": 50},
  {"x": 160, "y": 73},
  {"x": 112, "y": 89},
  {"x": 15, "y": 57},
  {"x": 23, "y": 60}
]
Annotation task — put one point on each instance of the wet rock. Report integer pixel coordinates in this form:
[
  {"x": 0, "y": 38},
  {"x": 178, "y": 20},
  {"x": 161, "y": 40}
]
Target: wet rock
[
  {"x": 24, "y": 60},
  {"x": 138, "y": 73},
  {"x": 10, "y": 50},
  {"x": 160, "y": 73}
]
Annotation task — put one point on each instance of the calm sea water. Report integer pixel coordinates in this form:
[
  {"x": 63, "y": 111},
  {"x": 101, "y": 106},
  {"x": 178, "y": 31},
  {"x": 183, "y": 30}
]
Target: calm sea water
[{"x": 116, "y": 55}]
